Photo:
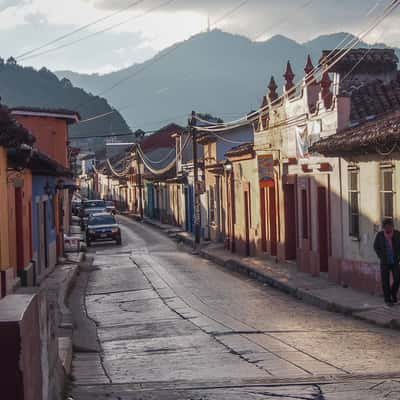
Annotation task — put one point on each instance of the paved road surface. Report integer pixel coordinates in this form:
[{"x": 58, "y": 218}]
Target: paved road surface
[{"x": 171, "y": 325}]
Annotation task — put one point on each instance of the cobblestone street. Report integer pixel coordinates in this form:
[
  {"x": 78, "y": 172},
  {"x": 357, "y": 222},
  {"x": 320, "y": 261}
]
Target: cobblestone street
[{"x": 171, "y": 325}]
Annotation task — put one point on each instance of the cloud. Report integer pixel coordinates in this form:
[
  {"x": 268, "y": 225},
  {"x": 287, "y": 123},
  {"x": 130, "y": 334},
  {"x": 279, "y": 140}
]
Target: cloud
[
  {"x": 30, "y": 23},
  {"x": 299, "y": 19},
  {"x": 4, "y": 4}
]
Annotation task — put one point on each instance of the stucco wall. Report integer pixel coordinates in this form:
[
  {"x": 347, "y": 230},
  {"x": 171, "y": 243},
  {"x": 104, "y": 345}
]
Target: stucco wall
[
  {"x": 51, "y": 136},
  {"x": 23, "y": 180},
  {"x": 245, "y": 172}
]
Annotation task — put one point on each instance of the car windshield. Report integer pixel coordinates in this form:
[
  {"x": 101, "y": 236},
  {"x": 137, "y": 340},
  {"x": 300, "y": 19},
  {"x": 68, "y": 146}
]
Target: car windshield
[
  {"x": 102, "y": 220},
  {"x": 94, "y": 204}
]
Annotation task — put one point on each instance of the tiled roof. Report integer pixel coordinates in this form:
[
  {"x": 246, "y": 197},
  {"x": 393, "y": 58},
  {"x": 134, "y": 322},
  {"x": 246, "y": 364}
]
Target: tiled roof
[
  {"x": 245, "y": 148},
  {"x": 42, "y": 164},
  {"x": 12, "y": 134},
  {"x": 162, "y": 138},
  {"x": 362, "y": 60},
  {"x": 56, "y": 112},
  {"x": 375, "y": 98},
  {"x": 378, "y": 135}
]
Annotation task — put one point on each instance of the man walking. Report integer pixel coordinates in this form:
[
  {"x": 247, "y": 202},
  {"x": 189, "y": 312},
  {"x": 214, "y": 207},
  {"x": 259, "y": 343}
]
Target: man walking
[{"x": 387, "y": 248}]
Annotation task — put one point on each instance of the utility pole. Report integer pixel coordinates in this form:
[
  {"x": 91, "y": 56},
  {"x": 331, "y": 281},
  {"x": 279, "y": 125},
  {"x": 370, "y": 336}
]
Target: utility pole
[
  {"x": 197, "y": 206},
  {"x": 140, "y": 184}
]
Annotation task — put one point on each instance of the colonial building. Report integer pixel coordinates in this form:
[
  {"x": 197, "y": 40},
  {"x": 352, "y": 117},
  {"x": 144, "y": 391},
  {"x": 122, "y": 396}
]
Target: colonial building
[
  {"x": 50, "y": 187},
  {"x": 214, "y": 218},
  {"x": 15, "y": 194},
  {"x": 369, "y": 164},
  {"x": 302, "y": 192}
]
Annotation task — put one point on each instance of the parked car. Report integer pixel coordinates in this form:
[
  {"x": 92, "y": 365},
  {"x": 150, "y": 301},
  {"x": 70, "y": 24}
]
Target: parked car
[
  {"x": 76, "y": 206},
  {"x": 90, "y": 207},
  {"x": 110, "y": 207},
  {"x": 102, "y": 227}
]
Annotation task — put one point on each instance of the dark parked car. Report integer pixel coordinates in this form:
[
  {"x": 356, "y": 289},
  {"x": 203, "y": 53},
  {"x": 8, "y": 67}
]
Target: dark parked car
[
  {"x": 90, "y": 207},
  {"x": 102, "y": 227},
  {"x": 110, "y": 207}
]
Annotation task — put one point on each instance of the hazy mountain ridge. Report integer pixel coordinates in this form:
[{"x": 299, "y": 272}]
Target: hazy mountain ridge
[
  {"x": 214, "y": 72},
  {"x": 25, "y": 86}
]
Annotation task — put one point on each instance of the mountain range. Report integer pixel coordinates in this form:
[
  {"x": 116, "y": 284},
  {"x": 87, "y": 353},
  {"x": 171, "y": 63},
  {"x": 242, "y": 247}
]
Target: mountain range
[
  {"x": 220, "y": 73},
  {"x": 25, "y": 86}
]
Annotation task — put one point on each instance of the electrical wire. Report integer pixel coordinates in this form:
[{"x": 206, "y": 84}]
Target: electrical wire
[
  {"x": 165, "y": 3},
  {"x": 322, "y": 69},
  {"x": 158, "y": 161},
  {"x": 169, "y": 166},
  {"x": 164, "y": 54},
  {"x": 116, "y": 173},
  {"x": 81, "y": 28},
  {"x": 355, "y": 40},
  {"x": 96, "y": 117},
  {"x": 283, "y": 20}
]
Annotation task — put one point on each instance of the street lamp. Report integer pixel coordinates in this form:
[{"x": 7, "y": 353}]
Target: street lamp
[{"x": 228, "y": 166}]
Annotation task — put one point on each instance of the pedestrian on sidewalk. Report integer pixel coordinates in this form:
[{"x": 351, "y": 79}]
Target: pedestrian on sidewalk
[{"x": 387, "y": 248}]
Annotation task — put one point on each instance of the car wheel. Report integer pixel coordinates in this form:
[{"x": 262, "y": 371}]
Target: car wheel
[{"x": 119, "y": 242}]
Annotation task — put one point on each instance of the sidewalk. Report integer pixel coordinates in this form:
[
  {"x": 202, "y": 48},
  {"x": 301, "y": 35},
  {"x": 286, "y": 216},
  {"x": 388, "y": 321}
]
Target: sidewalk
[
  {"x": 318, "y": 291},
  {"x": 55, "y": 288}
]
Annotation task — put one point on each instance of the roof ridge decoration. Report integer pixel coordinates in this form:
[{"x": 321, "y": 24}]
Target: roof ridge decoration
[
  {"x": 289, "y": 77},
  {"x": 272, "y": 86},
  {"x": 308, "y": 69}
]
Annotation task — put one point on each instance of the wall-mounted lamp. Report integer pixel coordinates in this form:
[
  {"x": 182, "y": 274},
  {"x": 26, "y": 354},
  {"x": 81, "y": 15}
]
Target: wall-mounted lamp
[{"x": 228, "y": 166}]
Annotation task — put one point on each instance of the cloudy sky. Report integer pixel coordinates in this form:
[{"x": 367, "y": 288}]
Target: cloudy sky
[{"x": 132, "y": 31}]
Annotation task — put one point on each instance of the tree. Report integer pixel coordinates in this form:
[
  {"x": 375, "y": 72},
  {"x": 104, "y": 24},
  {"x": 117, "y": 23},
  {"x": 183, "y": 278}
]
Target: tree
[{"x": 11, "y": 61}]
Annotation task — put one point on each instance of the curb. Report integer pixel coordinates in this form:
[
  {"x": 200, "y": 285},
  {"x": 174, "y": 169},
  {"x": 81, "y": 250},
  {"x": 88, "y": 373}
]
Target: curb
[
  {"x": 66, "y": 323},
  {"x": 298, "y": 293}
]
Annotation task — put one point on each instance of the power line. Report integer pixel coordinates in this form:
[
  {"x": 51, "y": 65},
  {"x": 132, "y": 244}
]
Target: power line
[
  {"x": 165, "y": 3},
  {"x": 162, "y": 55},
  {"x": 81, "y": 28},
  {"x": 322, "y": 69},
  {"x": 283, "y": 20},
  {"x": 165, "y": 53}
]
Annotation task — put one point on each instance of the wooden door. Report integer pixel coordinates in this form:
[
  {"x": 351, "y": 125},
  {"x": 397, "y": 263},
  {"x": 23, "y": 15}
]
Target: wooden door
[
  {"x": 40, "y": 236},
  {"x": 290, "y": 221},
  {"x": 19, "y": 222},
  {"x": 230, "y": 197},
  {"x": 323, "y": 229},
  {"x": 263, "y": 206},
  {"x": 45, "y": 235},
  {"x": 247, "y": 221},
  {"x": 272, "y": 220}
]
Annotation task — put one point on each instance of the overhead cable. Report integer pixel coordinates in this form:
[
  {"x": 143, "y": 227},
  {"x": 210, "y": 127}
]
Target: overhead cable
[
  {"x": 81, "y": 28},
  {"x": 245, "y": 120},
  {"x": 62, "y": 46}
]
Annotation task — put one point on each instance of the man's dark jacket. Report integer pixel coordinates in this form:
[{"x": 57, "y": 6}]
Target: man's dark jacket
[{"x": 380, "y": 247}]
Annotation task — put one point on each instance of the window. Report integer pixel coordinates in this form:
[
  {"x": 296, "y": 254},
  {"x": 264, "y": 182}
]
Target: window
[
  {"x": 387, "y": 193},
  {"x": 304, "y": 207},
  {"x": 354, "y": 193}
]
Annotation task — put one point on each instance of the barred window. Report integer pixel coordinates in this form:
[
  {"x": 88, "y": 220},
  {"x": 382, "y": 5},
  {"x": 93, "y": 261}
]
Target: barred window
[
  {"x": 354, "y": 195},
  {"x": 387, "y": 193}
]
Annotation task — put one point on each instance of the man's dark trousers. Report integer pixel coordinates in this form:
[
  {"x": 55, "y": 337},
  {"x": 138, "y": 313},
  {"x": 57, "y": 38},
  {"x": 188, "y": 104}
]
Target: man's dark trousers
[{"x": 390, "y": 291}]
